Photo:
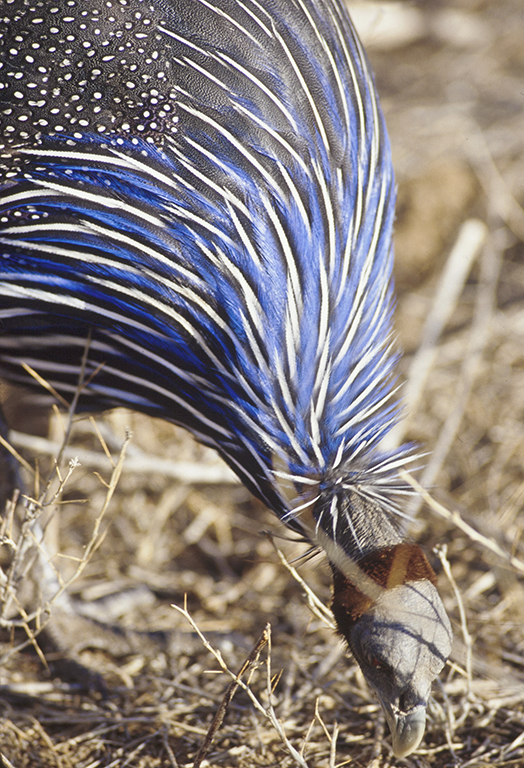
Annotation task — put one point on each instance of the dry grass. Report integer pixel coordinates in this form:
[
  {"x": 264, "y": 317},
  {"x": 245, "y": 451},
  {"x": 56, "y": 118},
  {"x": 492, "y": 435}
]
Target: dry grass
[{"x": 455, "y": 111}]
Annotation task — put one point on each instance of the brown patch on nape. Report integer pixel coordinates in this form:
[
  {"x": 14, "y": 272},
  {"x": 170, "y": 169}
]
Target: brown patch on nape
[{"x": 384, "y": 569}]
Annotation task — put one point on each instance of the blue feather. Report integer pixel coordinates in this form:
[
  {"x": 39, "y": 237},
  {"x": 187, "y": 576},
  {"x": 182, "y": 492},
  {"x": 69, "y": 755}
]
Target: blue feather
[{"x": 232, "y": 263}]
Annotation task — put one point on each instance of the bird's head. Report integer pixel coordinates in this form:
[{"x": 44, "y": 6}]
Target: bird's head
[{"x": 401, "y": 640}]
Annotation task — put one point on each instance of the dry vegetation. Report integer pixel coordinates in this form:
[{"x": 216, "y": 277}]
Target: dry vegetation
[{"x": 453, "y": 93}]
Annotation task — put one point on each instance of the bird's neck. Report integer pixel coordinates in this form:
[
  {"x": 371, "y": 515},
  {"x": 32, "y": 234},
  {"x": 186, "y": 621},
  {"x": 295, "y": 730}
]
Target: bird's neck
[
  {"x": 349, "y": 526},
  {"x": 361, "y": 584}
]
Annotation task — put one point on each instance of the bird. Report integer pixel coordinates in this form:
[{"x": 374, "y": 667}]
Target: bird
[{"x": 196, "y": 211}]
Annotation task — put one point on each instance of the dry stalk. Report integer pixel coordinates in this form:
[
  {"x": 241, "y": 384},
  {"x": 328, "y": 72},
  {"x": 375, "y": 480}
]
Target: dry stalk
[
  {"x": 249, "y": 665},
  {"x": 462, "y": 256},
  {"x": 267, "y": 711},
  {"x": 181, "y": 471},
  {"x": 316, "y": 605},
  {"x": 455, "y": 518},
  {"x": 29, "y": 547}
]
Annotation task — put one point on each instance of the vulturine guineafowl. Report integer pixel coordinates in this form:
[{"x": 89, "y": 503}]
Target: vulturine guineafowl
[{"x": 204, "y": 191}]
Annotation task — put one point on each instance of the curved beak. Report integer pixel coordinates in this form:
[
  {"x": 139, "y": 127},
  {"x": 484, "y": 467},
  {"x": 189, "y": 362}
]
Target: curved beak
[{"x": 407, "y": 729}]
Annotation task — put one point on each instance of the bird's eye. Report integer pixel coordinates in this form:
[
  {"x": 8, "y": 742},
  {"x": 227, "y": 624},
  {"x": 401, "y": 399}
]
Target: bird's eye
[{"x": 379, "y": 664}]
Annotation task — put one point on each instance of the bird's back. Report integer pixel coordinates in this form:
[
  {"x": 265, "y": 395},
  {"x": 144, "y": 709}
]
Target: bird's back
[{"x": 204, "y": 191}]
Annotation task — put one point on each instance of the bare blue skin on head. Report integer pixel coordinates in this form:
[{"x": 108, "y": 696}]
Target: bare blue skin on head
[
  {"x": 389, "y": 611},
  {"x": 401, "y": 645}
]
